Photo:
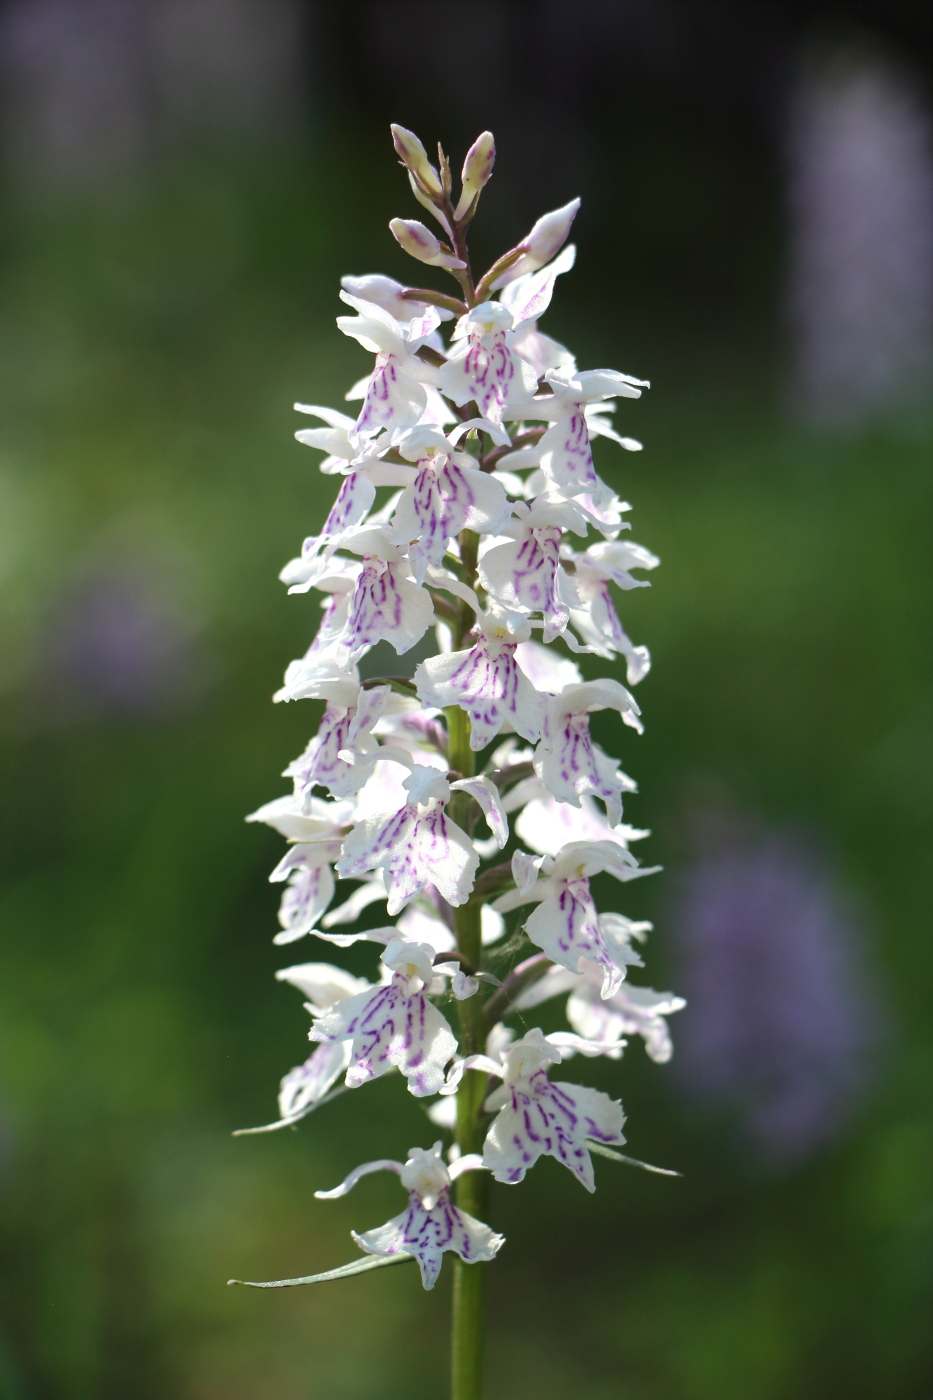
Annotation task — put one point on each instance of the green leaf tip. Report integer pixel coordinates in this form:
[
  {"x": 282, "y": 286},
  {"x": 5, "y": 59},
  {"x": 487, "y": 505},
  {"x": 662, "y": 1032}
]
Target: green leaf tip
[
  {"x": 602, "y": 1151},
  {"x": 358, "y": 1266}
]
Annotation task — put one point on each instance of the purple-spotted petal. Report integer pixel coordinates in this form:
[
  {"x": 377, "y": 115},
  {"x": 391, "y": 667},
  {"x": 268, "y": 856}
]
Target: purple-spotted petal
[
  {"x": 308, "y": 1083},
  {"x": 444, "y": 499},
  {"x": 431, "y": 1225},
  {"x": 393, "y": 399},
  {"x": 320, "y": 764},
  {"x": 525, "y": 575},
  {"x": 344, "y": 730},
  {"x": 415, "y": 848},
  {"x": 598, "y": 625},
  {"x": 393, "y": 1025},
  {"x": 428, "y": 1233},
  {"x": 539, "y": 1118},
  {"x": 566, "y": 927},
  {"x": 487, "y": 373},
  {"x": 566, "y": 454},
  {"x": 354, "y": 500},
  {"x": 570, "y": 765},
  {"x": 385, "y": 605},
  {"x": 309, "y": 891},
  {"x": 488, "y": 683}
]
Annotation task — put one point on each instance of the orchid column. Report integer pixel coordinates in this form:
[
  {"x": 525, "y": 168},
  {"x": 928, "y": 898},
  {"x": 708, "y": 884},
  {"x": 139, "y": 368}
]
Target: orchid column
[{"x": 468, "y": 502}]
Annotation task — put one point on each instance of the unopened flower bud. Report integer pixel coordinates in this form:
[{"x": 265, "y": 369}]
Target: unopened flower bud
[
  {"x": 546, "y": 238},
  {"x": 419, "y": 242},
  {"x": 477, "y": 168},
  {"x": 550, "y": 233},
  {"x": 415, "y": 157}
]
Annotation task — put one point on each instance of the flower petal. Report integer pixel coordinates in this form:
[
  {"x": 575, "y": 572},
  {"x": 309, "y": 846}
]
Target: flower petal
[
  {"x": 555, "y": 1120},
  {"x": 428, "y": 1234},
  {"x": 391, "y": 1025}
]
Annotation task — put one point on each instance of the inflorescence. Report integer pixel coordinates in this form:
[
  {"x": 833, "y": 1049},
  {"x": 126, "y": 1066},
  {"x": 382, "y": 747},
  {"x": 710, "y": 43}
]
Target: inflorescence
[{"x": 468, "y": 503}]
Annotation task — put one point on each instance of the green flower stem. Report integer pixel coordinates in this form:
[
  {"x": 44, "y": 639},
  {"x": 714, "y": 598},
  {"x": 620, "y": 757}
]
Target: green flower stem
[
  {"x": 469, "y": 1323},
  {"x": 469, "y": 1298}
]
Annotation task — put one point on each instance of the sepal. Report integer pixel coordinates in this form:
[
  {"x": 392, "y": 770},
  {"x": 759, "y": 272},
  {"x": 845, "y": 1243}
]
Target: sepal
[
  {"x": 358, "y": 1266},
  {"x": 602, "y": 1150}
]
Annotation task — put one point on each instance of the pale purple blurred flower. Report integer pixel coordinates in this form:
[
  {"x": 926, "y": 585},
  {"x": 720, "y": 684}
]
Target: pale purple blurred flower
[
  {"x": 118, "y": 643},
  {"x": 781, "y": 1020},
  {"x": 861, "y": 268}
]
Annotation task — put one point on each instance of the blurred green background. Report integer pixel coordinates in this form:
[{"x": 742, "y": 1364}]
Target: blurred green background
[{"x": 157, "y": 321}]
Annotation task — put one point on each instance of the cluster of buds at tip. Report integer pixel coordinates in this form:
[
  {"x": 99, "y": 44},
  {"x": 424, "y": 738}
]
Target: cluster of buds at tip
[{"x": 432, "y": 187}]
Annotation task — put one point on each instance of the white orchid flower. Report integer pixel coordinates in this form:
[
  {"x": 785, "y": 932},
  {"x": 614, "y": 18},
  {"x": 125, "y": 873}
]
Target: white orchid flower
[
  {"x": 487, "y": 681},
  {"x": 537, "y": 1118},
  {"x": 432, "y": 1224},
  {"x": 632, "y": 1010},
  {"x": 394, "y": 1025},
  {"x": 567, "y": 761},
  {"x": 482, "y": 368},
  {"x": 566, "y": 925},
  {"x": 304, "y": 1086},
  {"x": 418, "y": 844},
  {"x": 386, "y": 603},
  {"x": 447, "y": 495},
  {"x": 526, "y": 575},
  {"x": 344, "y": 733},
  {"x": 564, "y": 452},
  {"x": 394, "y": 398}
]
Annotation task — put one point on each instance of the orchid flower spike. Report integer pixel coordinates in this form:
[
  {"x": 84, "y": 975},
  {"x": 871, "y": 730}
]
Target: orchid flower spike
[{"x": 451, "y": 806}]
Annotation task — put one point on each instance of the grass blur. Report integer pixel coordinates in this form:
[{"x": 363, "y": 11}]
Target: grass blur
[{"x": 151, "y": 345}]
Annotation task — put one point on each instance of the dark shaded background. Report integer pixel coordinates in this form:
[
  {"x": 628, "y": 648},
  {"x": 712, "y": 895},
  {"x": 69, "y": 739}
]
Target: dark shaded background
[{"x": 175, "y": 223}]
